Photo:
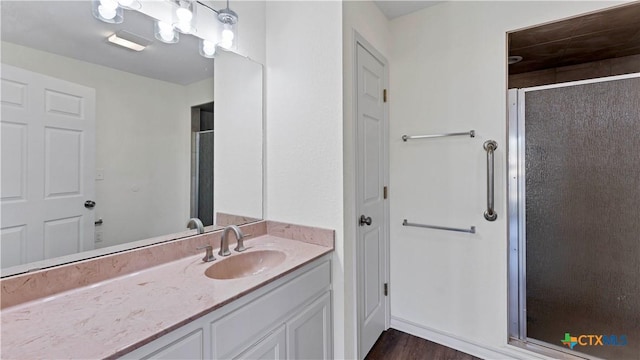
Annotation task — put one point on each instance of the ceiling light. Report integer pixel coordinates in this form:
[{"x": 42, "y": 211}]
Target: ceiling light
[
  {"x": 129, "y": 40},
  {"x": 514, "y": 59}
]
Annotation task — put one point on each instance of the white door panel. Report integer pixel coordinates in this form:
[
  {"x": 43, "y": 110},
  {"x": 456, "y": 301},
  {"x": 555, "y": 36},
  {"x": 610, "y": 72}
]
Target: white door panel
[
  {"x": 13, "y": 241},
  {"x": 14, "y": 163},
  {"x": 48, "y": 152},
  {"x": 370, "y": 178}
]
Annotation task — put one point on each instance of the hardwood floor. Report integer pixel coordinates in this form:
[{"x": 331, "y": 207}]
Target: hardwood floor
[{"x": 396, "y": 345}]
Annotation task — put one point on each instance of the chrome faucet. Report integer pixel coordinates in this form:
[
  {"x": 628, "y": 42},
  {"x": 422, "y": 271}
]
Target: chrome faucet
[
  {"x": 208, "y": 256},
  {"x": 224, "y": 241},
  {"x": 195, "y": 223}
]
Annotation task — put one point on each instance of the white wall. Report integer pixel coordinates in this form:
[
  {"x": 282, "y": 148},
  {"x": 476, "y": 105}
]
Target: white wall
[
  {"x": 142, "y": 144},
  {"x": 367, "y": 19},
  {"x": 237, "y": 184},
  {"x": 304, "y": 125},
  {"x": 448, "y": 74}
]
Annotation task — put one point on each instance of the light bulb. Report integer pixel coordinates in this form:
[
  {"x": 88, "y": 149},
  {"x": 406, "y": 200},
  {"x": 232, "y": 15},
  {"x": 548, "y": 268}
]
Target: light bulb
[
  {"x": 165, "y": 32},
  {"x": 164, "y": 26},
  {"x": 208, "y": 48},
  {"x": 227, "y": 35},
  {"x": 109, "y": 5},
  {"x": 125, "y": 3},
  {"x": 184, "y": 15},
  {"x": 107, "y": 13}
]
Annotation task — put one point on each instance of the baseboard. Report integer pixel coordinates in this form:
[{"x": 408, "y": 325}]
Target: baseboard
[{"x": 454, "y": 342}]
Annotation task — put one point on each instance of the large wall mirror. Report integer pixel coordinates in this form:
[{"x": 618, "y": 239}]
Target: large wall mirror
[{"x": 106, "y": 148}]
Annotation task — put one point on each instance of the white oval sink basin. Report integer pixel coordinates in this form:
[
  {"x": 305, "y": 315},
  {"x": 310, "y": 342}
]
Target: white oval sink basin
[{"x": 245, "y": 264}]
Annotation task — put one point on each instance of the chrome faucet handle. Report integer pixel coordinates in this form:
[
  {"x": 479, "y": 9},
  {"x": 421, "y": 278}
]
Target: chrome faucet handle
[
  {"x": 208, "y": 256},
  {"x": 240, "y": 245}
]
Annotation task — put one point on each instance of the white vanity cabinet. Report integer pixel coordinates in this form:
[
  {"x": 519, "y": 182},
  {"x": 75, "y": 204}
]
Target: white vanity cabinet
[
  {"x": 309, "y": 332},
  {"x": 272, "y": 347},
  {"x": 287, "y": 319}
]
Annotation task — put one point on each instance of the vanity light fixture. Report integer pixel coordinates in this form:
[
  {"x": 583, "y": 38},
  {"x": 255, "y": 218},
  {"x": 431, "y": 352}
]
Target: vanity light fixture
[
  {"x": 129, "y": 40},
  {"x": 184, "y": 16},
  {"x": 180, "y": 17},
  {"x": 108, "y": 11},
  {"x": 229, "y": 19},
  {"x": 166, "y": 33},
  {"x": 207, "y": 48},
  {"x": 130, "y": 4}
]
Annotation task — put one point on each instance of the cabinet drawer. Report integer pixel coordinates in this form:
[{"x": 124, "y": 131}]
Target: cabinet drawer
[{"x": 232, "y": 333}]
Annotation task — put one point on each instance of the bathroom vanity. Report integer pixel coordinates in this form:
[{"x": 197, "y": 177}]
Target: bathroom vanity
[{"x": 177, "y": 305}]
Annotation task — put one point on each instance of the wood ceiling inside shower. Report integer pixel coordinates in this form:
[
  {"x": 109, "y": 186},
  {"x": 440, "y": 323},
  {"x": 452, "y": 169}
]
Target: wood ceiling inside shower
[{"x": 591, "y": 38}]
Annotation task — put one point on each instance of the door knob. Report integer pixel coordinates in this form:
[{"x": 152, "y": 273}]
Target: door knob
[
  {"x": 89, "y": 204},
  {"x": 365, "y": 220}
]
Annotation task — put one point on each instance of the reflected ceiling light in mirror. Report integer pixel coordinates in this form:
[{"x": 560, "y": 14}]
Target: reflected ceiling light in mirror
[
  {"x": 129, "y": 40},
  {"x": 185, "y": 14},
  {"x": 207, "y": 48},
  {"x": 107, "y": 11},
  {"x": 166, "y": 33}
]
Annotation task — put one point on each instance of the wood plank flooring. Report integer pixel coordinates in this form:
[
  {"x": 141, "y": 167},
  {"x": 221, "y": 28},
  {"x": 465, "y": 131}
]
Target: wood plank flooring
[{"x": 397, "y": 345}]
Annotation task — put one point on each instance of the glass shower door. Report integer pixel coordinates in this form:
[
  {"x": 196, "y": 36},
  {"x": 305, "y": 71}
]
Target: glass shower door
[{"x": 579, "y": 201}]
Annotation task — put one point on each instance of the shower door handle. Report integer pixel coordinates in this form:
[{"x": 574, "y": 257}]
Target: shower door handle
[{"x": 490, "y": 214}]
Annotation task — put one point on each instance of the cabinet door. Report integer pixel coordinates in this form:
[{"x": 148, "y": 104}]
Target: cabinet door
[
  {"x": 270, "y": 348},
  {"x": 187, "y": 347},
  {"x": 309, "y": 333}
]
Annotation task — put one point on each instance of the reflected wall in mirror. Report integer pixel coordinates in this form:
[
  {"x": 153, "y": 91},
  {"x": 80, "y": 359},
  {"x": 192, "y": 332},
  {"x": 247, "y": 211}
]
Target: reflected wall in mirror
[{"x": 99, "y": 148}]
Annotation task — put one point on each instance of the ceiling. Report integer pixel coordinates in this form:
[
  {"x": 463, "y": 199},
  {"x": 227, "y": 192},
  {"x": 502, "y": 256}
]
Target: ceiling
[
  {"x": 394, "y": 9},
  {"x": 598, "y": 36},
  {"x": 69, "y": 29}
]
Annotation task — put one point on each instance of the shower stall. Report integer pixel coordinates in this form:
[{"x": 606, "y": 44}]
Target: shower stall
[
  {"x": 574, "y": 218},
  {"x": 202, "y": 152}
]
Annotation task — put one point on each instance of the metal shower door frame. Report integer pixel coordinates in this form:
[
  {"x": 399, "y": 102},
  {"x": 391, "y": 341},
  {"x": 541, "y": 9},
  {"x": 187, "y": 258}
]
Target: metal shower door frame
[{"x": 516, "y": 230}]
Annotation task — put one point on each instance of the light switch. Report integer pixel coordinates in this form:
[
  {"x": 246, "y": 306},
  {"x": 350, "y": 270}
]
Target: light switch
[{"x": 99, "y": 174}]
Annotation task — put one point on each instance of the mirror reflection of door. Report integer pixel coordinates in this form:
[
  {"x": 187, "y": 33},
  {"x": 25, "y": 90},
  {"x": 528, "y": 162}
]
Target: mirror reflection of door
[
  {"x": 202, "y": 141},
  {"x": 48, "y": 136}
]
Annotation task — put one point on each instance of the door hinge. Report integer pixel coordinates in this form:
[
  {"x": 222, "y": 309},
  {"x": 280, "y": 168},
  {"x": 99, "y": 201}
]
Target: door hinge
[
  {"x": 384, "y": 192},
  {"x": 384, "y": 95},
  {"x": 386, "y": 289}
]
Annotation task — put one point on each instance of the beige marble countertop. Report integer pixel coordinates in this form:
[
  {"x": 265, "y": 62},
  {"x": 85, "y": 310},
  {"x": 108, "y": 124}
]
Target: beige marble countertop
[{"x": 112, "y": 317}]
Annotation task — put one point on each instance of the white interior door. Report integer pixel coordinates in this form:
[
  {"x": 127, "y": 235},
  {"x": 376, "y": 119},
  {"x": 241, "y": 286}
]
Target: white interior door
[
  {"x": 371, "y": 130},
  {"x": 48, "y": 161}
]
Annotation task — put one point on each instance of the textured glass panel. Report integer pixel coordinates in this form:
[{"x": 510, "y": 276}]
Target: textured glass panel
[
  {"x": 582, "y": 159},
  {"x": 205, "y": 179}
]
